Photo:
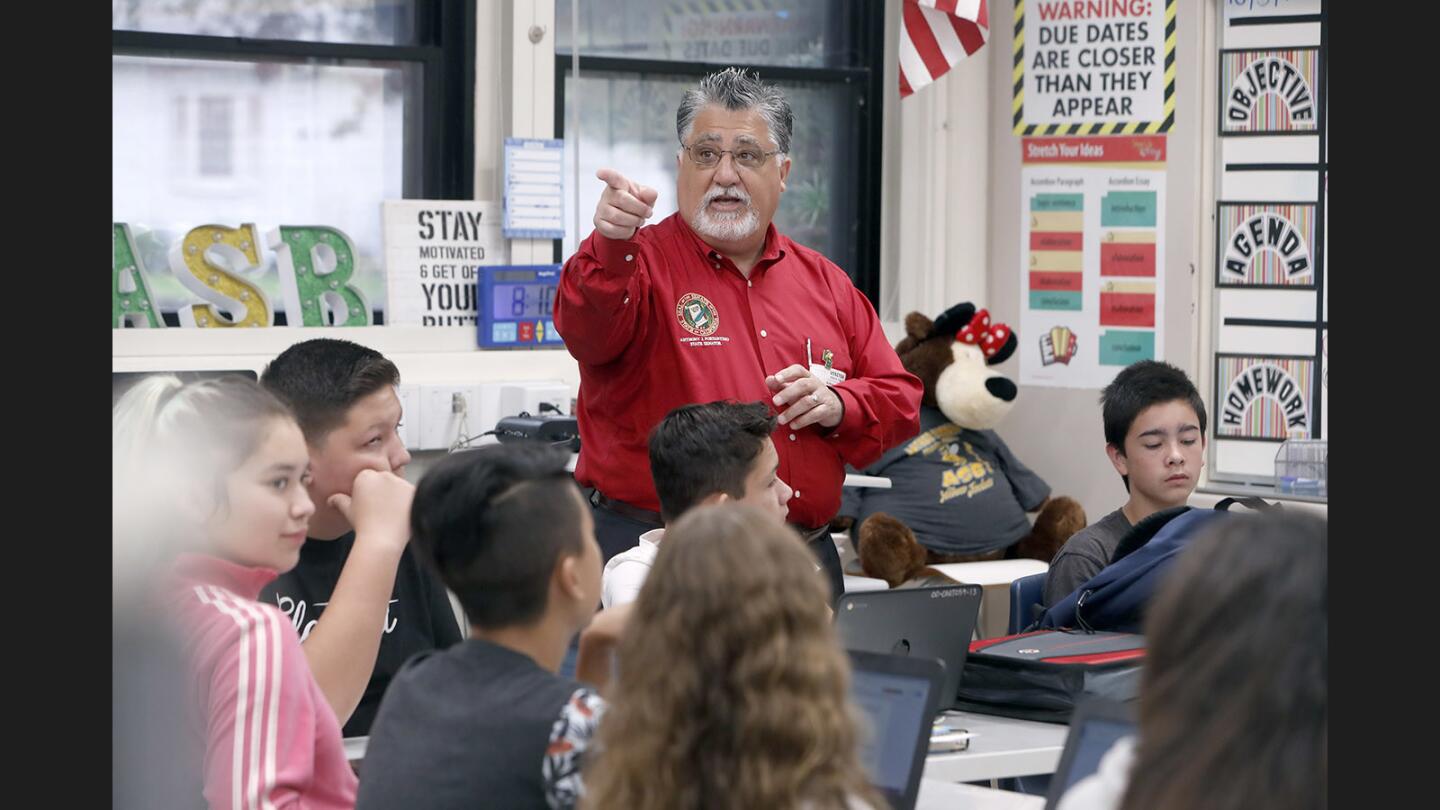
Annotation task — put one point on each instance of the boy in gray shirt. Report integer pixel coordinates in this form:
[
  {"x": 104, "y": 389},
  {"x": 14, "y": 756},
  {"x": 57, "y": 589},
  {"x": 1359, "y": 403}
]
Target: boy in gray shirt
[{"x": 1155, "y": 438}]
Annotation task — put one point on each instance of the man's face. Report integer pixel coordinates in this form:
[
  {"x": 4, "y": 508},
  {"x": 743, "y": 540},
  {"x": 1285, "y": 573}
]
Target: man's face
[
  {"x": 1163, "y": 454},
  {"x": 763, "y": 487},
  {"x": 366, "y": 440},
  {"x": 727, "y": 203}
]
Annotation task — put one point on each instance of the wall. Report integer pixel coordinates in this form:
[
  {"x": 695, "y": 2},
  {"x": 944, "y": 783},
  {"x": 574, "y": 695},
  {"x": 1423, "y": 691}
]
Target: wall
[
  {"x": 1057, "y": 431},
  {"x": 936, "y": 212}
]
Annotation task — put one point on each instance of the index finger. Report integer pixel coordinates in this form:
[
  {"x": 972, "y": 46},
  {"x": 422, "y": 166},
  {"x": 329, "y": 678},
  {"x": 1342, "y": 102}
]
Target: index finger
[{"x": 613, "y": 179}]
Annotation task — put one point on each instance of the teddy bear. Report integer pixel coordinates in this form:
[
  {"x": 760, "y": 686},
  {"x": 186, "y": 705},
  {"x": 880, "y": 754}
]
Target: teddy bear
[{"x": 957, "y": 492}]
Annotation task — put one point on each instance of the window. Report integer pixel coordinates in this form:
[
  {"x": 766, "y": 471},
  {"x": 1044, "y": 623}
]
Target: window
[
  {"x": 216, "y": 136},
  {"x": 637, "y": 58},
  {"x": 292, "y": 113},
  {"x": 1267, "y": 289}
]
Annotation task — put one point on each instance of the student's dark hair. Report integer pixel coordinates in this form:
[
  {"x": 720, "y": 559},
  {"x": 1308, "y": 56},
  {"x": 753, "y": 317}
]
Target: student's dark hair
[
  {"x": 1137, "y": 387},
  {"x": 1233, "y": 697},
  {"x": 701, "y": 449},
  {"x": 492, "y": 522},
  {"x": 321, "y": 379}
]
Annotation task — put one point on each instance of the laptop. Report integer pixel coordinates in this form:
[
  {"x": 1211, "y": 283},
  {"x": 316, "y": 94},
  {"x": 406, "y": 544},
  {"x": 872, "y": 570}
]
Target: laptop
[
  {"x": 916, "y": 622},
  {"x": 1095, "y": 726},
  {"x": 898, "y": 698}
]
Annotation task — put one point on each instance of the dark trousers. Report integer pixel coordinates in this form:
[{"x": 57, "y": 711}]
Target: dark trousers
[
  {"x": 824, "y": 550},
  {"x": 616, "y": 532}
]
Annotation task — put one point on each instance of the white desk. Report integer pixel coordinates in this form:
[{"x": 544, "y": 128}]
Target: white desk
[
  {"x": 995, "y": 577},
  {"x": 854, "y": 584},
  {"x": 999, "y": 747},
  {"x": 858, "y": 480},
  {"x": 937, "y": 795}
]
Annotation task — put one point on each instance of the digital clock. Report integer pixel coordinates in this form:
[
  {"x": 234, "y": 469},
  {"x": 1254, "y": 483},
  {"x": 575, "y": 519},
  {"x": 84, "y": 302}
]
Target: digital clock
[{"x": 516, "y": 306}]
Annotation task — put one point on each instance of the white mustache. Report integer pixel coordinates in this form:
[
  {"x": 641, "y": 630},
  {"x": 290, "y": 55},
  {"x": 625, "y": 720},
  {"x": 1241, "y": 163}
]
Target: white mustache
[{"x": 725, "y": 191}]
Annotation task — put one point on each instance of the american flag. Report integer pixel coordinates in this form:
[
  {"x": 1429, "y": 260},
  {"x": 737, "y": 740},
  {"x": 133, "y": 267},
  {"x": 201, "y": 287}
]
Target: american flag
[{"x": 934, "y": 35}]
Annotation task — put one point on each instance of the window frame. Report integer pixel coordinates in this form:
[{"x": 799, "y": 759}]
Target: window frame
[
  {"x": 866, "y": 22},
  {"x": 443, "y": 131}
]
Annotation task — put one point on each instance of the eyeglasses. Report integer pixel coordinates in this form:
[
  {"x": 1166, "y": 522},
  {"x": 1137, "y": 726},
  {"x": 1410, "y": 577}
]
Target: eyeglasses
[{"x": 707, "y": 156}]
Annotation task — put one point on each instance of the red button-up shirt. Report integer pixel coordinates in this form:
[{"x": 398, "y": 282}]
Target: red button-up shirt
[{"x": 663, "y": 320}]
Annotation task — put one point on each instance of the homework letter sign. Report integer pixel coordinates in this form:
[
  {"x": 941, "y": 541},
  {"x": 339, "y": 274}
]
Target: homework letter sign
[{"x": 432, "y": 248}]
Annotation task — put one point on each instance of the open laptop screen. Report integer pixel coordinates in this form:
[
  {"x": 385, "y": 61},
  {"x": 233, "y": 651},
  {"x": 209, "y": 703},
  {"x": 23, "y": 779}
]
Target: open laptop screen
[
  {"x": 1094, "y": 728},
  {"x": 898, "y": 698}
]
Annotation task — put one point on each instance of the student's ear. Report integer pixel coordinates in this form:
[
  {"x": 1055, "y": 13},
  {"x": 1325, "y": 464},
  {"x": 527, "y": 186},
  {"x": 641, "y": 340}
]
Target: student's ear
[
  {"x": 567, "y": 577},
  {"x": 197, "y": 504},
  {"x": 715, "y": 499},
  {"x": 1117, "y": 459}
]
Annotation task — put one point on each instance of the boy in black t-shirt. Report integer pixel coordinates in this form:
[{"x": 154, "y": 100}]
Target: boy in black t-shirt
[{"x": 358, "y": 598}]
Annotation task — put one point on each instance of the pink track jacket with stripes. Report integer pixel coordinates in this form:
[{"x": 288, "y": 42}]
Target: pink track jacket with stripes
[{"x": 270, "y": 738}]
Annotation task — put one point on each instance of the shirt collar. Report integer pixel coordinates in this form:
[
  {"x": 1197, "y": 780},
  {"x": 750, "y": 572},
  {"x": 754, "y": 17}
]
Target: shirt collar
[
  {"x": 774, "y": 245},
  {"x": 244, "y": 580}
]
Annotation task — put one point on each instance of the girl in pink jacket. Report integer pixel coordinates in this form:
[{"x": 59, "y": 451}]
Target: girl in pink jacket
[{"x": 220, "y": 467}]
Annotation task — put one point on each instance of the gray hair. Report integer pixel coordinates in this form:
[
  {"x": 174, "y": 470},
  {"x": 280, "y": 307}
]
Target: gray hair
[{"x": 737, "y": 89}]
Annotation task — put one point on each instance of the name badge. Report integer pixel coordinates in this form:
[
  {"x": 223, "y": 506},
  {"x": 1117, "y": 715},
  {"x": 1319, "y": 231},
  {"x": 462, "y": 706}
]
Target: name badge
[{"x": 828, "y": 376}]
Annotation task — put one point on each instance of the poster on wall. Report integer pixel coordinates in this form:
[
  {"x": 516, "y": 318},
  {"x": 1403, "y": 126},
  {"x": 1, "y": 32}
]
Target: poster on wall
[
  {"x": 1088, "y": 68},
  {"x": 1263, "y": 398},
  {"x": 534, "y": 188},
  {"x": 1267, "y": 90},
  {"x": 1265, "y": 245},
  {"x": 1092, "y": 241},
  {"x": 432, "y": 248}
]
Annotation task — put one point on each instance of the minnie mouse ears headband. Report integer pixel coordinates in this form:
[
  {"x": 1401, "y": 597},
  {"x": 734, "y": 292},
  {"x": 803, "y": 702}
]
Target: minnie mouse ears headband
[{"x": 996, "y": 341}]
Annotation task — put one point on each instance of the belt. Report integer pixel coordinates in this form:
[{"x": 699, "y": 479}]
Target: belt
[
  {"x": 625, "y": 510},
  {"x": 814, "y": 535},
  {"x": 600, "y": 501}
]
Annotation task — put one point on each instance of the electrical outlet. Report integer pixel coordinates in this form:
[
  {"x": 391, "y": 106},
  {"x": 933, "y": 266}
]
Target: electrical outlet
[
  {"x": 527, "y": 396},
  {"x": 448, "y": 412}
]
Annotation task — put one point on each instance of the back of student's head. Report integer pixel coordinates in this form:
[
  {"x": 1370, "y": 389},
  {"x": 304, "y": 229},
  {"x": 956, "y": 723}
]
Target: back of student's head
[
  {"x": 493, "y": 522},
  {"x": 174, "y": 442},
  {"x": 699, "y": 450},
  {"x": 321, "y": 379},
  {"x": 1233, "y": 695},
  {"x": 731, "y": 688}
]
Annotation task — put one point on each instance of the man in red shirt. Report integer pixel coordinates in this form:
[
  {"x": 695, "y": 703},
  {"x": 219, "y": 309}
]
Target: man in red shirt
[{"x": 714, "y": 303}]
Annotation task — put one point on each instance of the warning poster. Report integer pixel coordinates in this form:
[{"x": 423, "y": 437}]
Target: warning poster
[{"x": 1094, "y": 67}]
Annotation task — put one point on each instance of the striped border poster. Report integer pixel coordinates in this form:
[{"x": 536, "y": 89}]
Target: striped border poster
[
  {"x": 1094, "y": 67},
  {"x": 1268, "y": 90},
  {"x": 1265, "y": 245},
  {"x": 1262, "y": 398}
]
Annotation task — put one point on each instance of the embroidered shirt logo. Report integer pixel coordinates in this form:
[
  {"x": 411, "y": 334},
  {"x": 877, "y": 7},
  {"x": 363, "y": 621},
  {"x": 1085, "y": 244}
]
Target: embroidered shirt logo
[{"x": 697, "y": 315}]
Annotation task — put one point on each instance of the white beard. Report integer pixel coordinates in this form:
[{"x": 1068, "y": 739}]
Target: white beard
[{"x": 729, "y": 226}]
